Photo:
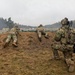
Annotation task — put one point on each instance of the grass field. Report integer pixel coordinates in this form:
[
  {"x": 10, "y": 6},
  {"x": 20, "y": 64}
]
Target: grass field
[{"x": 31, "y": 57}]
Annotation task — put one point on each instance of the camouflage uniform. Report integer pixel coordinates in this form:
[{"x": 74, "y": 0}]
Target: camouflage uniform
[
  {"x": 64, "y": 41},
  {"x": 41, "y": 31},
  {"x": 12, "y": 34}
]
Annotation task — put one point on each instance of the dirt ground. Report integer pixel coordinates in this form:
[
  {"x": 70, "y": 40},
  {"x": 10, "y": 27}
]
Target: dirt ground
[{"x": 31, "y": 57}]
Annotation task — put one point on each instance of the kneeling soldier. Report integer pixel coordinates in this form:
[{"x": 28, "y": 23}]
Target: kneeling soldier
[{"x": 64, "y": 41}]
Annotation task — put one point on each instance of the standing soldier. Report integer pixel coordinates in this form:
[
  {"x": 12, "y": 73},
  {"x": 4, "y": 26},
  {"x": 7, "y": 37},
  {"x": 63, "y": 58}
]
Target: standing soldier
[
  {"x": 12, "y": 34},
  {"x": 41, "y": 31},
  {"x": 64, "y": 41}
]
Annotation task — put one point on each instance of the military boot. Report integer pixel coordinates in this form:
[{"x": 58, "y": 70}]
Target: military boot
[
  {"x": 46, "y": 36},
  {"x": 71, "y": 66},
  {"x": 14, "y": 44},
  {"x": 5, "y": 45},
  {"x": 40, "y": 39}
]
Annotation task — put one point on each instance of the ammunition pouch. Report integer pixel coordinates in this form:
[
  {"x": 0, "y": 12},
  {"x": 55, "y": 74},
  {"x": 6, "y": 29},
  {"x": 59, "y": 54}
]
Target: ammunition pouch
[{"x": 69, "y": 47}]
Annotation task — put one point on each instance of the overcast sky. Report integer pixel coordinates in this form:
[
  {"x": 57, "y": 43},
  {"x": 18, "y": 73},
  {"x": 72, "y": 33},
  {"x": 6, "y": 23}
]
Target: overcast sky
[{"x": 35, "y": 12}]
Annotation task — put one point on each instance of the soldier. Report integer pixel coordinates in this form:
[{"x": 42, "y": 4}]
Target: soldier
[
  {"x": 65, "y": 21},
  {"x": 41, "y": 31},
  {"x": 12, "y": 34},
  {"x": 64, "y": 41}
]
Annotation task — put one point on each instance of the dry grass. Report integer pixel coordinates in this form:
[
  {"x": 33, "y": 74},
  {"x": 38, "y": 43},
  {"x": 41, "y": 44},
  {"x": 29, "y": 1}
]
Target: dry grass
[{"x": 31, "y": 58}]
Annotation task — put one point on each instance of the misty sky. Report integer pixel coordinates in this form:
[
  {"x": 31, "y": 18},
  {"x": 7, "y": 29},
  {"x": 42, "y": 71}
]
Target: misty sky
[{"x": 35, "y": 12}]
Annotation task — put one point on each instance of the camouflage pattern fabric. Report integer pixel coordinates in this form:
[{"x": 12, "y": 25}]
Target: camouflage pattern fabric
[
  {"x": 64, "y": 21},
  {"x": 66, "y": 38},
  {"x": 12, "y": 35},
  {"x": 41, "y": 31}
]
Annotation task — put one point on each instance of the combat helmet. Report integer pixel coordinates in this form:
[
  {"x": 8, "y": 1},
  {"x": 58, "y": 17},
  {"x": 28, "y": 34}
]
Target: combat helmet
[
  {"x": 65, "y": 21},
  {"x": 40, "y": 25}
]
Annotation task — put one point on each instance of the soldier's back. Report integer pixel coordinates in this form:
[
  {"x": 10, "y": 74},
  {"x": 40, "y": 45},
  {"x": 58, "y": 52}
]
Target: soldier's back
[{"x": 12, "y": 31}]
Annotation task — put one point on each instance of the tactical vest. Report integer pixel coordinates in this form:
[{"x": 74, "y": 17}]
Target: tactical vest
[{"x": 67, "y": 37}]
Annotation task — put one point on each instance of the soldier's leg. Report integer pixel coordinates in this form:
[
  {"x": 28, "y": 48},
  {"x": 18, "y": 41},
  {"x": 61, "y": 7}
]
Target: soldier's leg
[
  {"x": 14, "y": 37},
  {"x": 55, "y": 53},
  {"x": 7, "y": 40},
  {"x": 39, "y": 36},
  {"x": 69, "y": 61},
  {"x": 55, "y": 49},
  {"x": 45, "y": 34}
]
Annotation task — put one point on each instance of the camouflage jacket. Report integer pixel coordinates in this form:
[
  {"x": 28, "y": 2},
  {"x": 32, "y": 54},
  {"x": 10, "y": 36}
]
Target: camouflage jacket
[
  {"x": 14, "y": 31},
  {"x": 40, "y": 29},
  {"x": 65, "y": 36}
]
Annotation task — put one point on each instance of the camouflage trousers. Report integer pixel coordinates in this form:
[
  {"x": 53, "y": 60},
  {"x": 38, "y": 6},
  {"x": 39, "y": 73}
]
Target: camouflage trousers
[
  {"x": 11, "y": 36},
  {"x": 67, "y": 51},
  {"x": 40, "y": 33}
]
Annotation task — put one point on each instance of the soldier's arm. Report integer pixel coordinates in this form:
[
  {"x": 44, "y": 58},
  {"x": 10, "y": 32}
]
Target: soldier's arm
[
  {"x": 37, "y": 29},
  {"x": 58, "y": 36},
  {"x": 18, "y": 32}
]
